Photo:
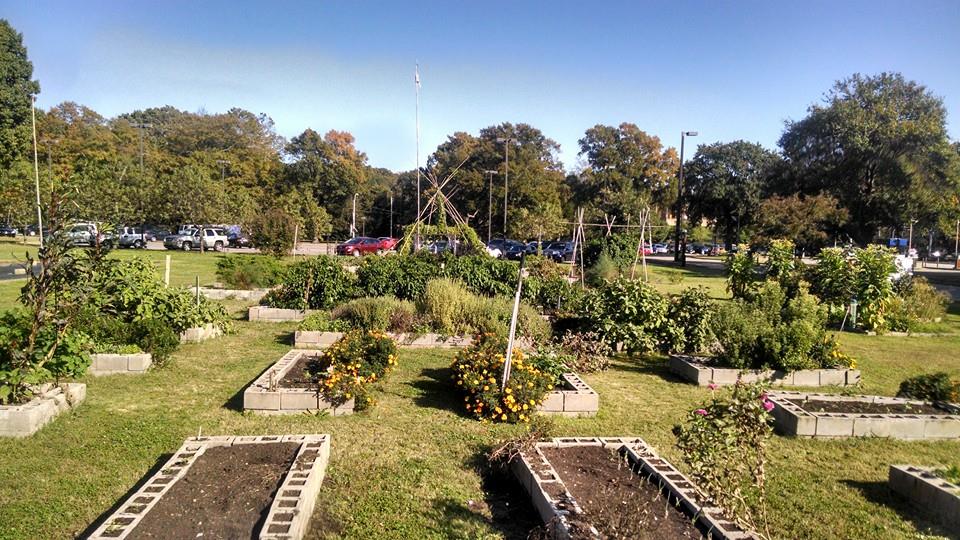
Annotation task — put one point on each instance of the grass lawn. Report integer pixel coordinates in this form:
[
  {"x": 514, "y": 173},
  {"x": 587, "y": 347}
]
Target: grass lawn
[{"x": 411, "y": 467}]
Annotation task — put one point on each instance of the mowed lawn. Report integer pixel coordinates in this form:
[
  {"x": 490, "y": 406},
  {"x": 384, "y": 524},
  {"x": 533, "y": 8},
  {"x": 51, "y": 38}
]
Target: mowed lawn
[{"x": 412, "y": 466}]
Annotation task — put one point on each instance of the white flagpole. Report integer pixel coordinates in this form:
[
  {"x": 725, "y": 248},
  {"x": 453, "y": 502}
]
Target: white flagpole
[{"x": 416, "y": 80}]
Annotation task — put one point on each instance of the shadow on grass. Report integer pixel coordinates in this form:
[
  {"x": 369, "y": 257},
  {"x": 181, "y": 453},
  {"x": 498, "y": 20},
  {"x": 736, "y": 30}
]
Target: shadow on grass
[
  {"x": 436, "y": 391},
  {"x": 235, "y": 403},
  {"x": 509, "y": 508},
  {"x": 161, "y": 461},
  {"x": 646, "y": 365},
  {"x": 880, "y": 493},
  {"x": 284, "y": 338}
]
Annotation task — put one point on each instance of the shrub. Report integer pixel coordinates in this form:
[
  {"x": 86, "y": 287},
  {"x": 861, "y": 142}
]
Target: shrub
[
  {"x": 69, "y": 359},
  {"x": 833, "y": 277},
  {"x": 249, "y": 272},
  {"x": 916, "y": 302},
  {"x": 740, "y": 268},
  {"x": 447, "y": 304},
  {"x": 627, "y": 311},
  {"x": 404, "y": 277},
  {"x": 382, "y": 313},
  {"x": 321, "y": 321},
  {"x": 724, "y": 443},
  {"x": 738, "y": 328},
  {"x": 477, "y": 370},
  {"x": 931, "y": 387},
  {"x": 273, "y": 232},
  {"x": 782, "y": 265},
  {"x": 552, "y": 292},
  {"x": 157, "y": 338},
  {"x": 550, "y": 360},
  {"x": 604, "y": 269},
  {"x": 688, "y": 321},
  {"x": 314, "y": 283},
  {"x": 620, "y": 249},
  {"x": 355, "y": 361},
  {"x": 872, "y": 286},
  {"x": 586, "y": 352},
  {"x": 482, "y": 274}
]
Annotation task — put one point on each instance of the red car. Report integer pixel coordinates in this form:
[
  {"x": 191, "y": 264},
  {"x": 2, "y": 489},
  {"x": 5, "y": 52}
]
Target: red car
[
  {"x": 360, "y": 245},
  {"x": 387, "y": 243}
]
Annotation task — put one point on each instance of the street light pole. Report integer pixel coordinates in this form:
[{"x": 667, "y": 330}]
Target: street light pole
[
  {"x": 353, "y": 220},
  {"x": 36, "y": 167},
  {"x": 910, "y": 239},
  {"x": 678, "y": 254},
  {"x": 490, "y": 204}
]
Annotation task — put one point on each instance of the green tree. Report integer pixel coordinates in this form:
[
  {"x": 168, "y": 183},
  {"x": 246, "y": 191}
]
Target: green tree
[
  {"x": 878, "y": 144},
  {"x": 808, "y": 221},
  {"x": 724, "y": 182},
  {"x": 16, "y": 87}
]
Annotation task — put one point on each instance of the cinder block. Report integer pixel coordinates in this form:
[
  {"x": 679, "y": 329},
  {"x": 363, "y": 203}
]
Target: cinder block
[
  {"x": 853, "y": 377},
  {"x": 829, "y": 426},
  {"x": 832, "y": 377},
  {"x": 298, "y": 400},
  {"x": 553, "y": 402},
  {"x": 806, "y": 377},
  {"x": 941, "y": 428},
  {"x": 689, "y": 371},
  {"x": 105, "y": 363},
  {"x": 722, "y": 376},
  {"x": 139, "y": 362},
  {"x": 269, "y": 401},
  {"x": 581, "y": 402},
  {"x": 886, "y": 426}
]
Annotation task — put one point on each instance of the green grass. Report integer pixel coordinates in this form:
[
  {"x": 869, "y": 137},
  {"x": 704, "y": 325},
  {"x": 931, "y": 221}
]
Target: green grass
[{"x": 408, "y": 468}]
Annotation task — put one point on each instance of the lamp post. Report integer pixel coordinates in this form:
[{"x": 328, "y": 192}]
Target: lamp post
[
  {"x": 678, "y": 254},
  {"x": 489, "y": 203},
  {"x": 507, "y": 141},
  {"x": 353, "y": 220}
]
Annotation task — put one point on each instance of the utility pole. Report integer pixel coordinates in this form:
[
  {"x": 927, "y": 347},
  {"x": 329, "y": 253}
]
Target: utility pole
[
  {"x": 416, "y": 80},
  {"x": 678, "y": 253},
  {"x": 490, "y": 204},
  {"x": 353, "y": 221},
  {"x": 507, "y": 141},
  {"x": 36, "y": 167},
  {"x": 390, "y": 234},
  {"x": 910, "y": 239}
]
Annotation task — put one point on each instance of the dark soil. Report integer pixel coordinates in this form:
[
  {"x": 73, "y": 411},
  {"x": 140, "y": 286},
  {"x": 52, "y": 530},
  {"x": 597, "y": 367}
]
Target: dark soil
[
  {"x": 226, "y": 494},
  {"x": 303, "y": 373},
  {"x": 864, "y": 407},
  {"x": 616, "y": 501}
]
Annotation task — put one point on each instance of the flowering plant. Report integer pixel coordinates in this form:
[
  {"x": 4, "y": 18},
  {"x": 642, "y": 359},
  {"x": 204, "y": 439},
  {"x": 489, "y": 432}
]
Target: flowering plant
[
  {"x": 356, "y": 360},
  {"x": 477, "y": 371},
  {"x": 724, "y": 444}
]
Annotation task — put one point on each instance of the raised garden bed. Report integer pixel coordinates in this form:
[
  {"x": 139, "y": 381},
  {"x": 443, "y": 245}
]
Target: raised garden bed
[
  {"x": 830, "y": 416},
  {"x": 933, "y": 495},
  {"x": 112, "y": 364},
  {"x": 698, "y": 370},
  {"x": 214, "y": 293},
  {"x": 200, "y": 333},
  {"x": 227, "y": 487},
  {"x": 282, "y": 389},
  {"x": 26, "y": 419},
  {"x": 311, "y": 339},
  {"x": 576, "y": 398},
  {"x": 272, "y": 314},
  {"x": 580, "y": 485}
]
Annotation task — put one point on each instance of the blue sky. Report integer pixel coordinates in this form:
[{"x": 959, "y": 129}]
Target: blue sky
[{"x": 731, "y": 70}]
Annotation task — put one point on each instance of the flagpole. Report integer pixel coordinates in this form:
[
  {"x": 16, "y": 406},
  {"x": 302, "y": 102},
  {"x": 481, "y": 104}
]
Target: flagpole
[{"x": 416, "y": 80}]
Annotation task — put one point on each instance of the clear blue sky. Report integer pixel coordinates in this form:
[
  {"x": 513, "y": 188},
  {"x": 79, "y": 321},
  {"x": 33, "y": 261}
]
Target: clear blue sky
[{"x": 731, "y": 70}]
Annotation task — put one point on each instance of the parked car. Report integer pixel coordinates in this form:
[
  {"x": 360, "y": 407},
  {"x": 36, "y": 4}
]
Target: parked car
[
  {"x": 213, "y": 238},
  {"x": 131, "y": 237},
  {"x": 8, "y": 230},
  {"x": 239, "y": 240},
  {"x": 387, "y": 243},
  {"x": 85, "y": 234},
  {"x": 441, "y": 246},
  {"x": 660, "y": 249},
  {"x": 559, "y": 251},
  {"x": 514, "y": 250},
  {"x": 30, "y": 230},
  {"x": 534, "y": 247},
  {"x": 358, "y": 246}
]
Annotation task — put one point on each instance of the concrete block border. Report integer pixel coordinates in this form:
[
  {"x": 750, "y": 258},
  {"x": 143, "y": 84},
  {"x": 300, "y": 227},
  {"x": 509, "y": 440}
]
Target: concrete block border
[
  {"x": 790, "y": 419},
  {"x": 26, "y": 419},
  {"x": 213, "y": 293},
  {"x": 576, "y": 399},
  {"x": 312, "y": 339},
  {"x": 922, "y": 488},
  {"x": 539, "y": 479},
  {"x": 272, "y": 314},
  {"x": 698, "y": 371},
  {"x": 289, "y": 513},
  {"x": 200, "y": 333},
  {"x": 263, "y": 396},
  {"x": 111, "y": 364}
]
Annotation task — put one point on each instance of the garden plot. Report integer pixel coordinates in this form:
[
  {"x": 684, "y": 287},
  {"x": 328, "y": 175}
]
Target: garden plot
[
  {"x": 576, "y": 398},
  {"x": 200, "y": 333},
  {"x": 703, "y": 372},
  {"x": 272, "y": 314},
  {"x": 284, "y": 388},
  {"x": 215, "y": 293},
  {"x": 27, "y": 418},
  {"x": 933, "y": 495},
  {"x": 112, "y": 364},
  {"x": 615, "y": 487},
  {"x": 312, "y": 339},
  {"x": 831, "y": 416},
  {"x": 227, "y": 487}
]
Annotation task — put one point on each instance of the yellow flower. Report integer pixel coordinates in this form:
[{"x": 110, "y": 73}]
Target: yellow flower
[{"x": 503, "y": 417}]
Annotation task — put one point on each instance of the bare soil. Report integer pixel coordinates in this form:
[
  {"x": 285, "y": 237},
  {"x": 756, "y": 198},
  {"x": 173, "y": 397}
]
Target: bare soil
[
  {"x": 616, "y": 501},
  {"x": 226, "y": 494},
  {"x": 303, "y": 374},
  {"x": 864, "y": 407}
]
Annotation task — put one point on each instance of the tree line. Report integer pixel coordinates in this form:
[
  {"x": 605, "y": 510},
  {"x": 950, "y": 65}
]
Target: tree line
[{"x": 869, "y": 159}]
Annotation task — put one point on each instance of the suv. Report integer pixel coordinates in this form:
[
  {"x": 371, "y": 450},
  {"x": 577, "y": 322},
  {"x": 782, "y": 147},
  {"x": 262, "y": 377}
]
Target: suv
[
  {"x": 131, "y": 237},
  {"x": 214, "y": 238},
  {"x": 559, "y": 251},
  {"x": 86, "y": 234}
]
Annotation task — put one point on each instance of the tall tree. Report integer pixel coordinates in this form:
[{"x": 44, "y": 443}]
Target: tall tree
[
  {"x": 16, "y": 89},
  {"x": 810, "y": 221},
  {"x": 877, "y": 144},
  {"x": 724, "y": 182},
  {"x": 627, "y": 170}
]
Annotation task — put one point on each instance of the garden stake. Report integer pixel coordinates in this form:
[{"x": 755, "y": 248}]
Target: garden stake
[{"x": 513, "y": 325}]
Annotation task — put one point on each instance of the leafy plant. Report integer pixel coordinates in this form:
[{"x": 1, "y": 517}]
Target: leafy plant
[
  {"x": 551, "y": 360},
  {"x": 833, "y": 278},
  {"x": 783, "y": 265},
  {"x": 931, "y": 387},
  {"x": 915, "y": 303},
  {"x": 382, "y": 313},
  {"x": 249, "y": 272},
  {"x": 872, "y": 286},
  {"x": 314, "y": 283},
  {"x": 321, "y": 321},
  {"x": 273, "y": 232},
  {"x": 630, "y": 312},
  {"x": 477, "y": 370},
  {"x": 355, "y": 361},
  {"x": 688, "y": 321},
  {"x": 724, "y": 443},
  {"x": 586, "y": 352},
  {"x": 741, "y": 273}
]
